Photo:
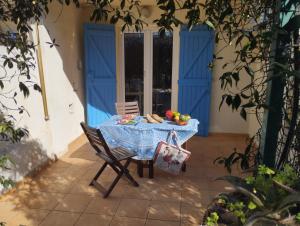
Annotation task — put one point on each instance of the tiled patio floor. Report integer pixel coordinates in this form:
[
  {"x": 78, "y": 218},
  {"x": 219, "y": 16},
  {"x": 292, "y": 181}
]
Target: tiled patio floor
[{"x": 60, "y": 194}]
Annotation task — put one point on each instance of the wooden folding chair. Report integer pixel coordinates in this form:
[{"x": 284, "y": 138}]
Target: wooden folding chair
[
  {"x": 112, "y": 157},
  {"x": 125, "y": 108}
]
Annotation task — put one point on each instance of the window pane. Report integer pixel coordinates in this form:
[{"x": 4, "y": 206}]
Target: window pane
[
  {"x": 134, "y": 68},
  {"x": 162, "y": 73}
]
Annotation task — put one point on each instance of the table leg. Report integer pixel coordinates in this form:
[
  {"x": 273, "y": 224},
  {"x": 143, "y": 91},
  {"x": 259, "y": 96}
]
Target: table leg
[
  {"x": 183, "y": 168},
  {"x": 184, "y": 145},
  {"x": 151, "y": 170},
  {"x": 140, "y": 168}
]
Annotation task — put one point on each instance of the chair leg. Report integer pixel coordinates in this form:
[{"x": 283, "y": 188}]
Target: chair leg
[
  {"x": 120, "y": 170},
  {"x": 120, "y": 173},
  {"x": 151, "y": 170},
  {"x": 183, "y": 167},
  {"x": 125, "y": 171},
  {"x": 127, "y": 174},
  {"x": 98, "y": 173},
  {"x": 106, "y": 194}
]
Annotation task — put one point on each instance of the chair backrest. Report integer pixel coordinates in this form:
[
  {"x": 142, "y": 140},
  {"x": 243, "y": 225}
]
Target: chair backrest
[
  {"x": 125, "y": 108},
  {"x": 97, "y": 140}
]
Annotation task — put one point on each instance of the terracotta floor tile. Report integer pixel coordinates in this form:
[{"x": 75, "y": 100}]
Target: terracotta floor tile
[
  {"x": 83, "y": 187},
  {"x": 163, "y": 193},
  {"x": 196, "y": 197},
  {"x": 107, "y": 175},
  {"x": 196, "y": 192},
  {"x": 52, "y": 184},
  {"x": 61, "y": 164},
  {"x": 27, "y": 217},
  {"x": 74, "y": 203},
  {"x": 77, "y": 161},
  {"x": 133, "y": 208},
  {"x": 70, "y": 173},
  {"x": 192, "y": 214},
  {"x": 7, "y": 210},
  {"x": 164, "y": 210},
  {"x": 186, "y": 223},
  {"x": 99, "y": 205},
  {"x": 150, "y": 222},
  {"x": 88, "y": 219},
  {"x": 141, "y": 192},
  {"x": 39, "y": 200},
  {"x": 220, "y": 186},
  {"x": 127, "y": 221},
  {"x": 57, "y": 218},
  {"x": 53, "y": 171}
]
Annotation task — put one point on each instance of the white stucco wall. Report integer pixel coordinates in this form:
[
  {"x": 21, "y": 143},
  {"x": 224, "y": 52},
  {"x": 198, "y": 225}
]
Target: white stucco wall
[
  {"x": 64, "y": 89},
  {"x": 225, "y": 120}
]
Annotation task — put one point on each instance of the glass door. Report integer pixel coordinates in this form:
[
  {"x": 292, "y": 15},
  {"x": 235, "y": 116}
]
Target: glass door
[
  {"x": 148, "y": 70},
  {"x": 162, "y": 73},
  {"x": 134, "y": 68}
]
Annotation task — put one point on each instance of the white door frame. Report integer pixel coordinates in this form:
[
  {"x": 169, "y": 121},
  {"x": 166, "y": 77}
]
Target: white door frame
[{"x": 148, "y": 68}]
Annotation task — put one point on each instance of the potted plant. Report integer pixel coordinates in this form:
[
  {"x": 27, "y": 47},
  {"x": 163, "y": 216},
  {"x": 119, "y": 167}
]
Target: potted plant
[{"x": 268, "y": 198}]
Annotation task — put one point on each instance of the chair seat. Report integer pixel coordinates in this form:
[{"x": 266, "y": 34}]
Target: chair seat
[{"x": 119, "y": 153}]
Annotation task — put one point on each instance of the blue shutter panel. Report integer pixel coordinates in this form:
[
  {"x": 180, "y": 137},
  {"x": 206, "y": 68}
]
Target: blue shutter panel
[
  {"x": 196, "y": 53},
  {"x": 100, "y": 72}
]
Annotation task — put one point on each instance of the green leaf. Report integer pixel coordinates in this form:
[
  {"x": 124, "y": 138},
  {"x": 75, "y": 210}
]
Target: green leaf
[
  {"x": 248, "y": 105},
  {"x": 122, "y": 4},
  {"x": 236, "y": 102},
  {"x": 24, "y": 89},
  {"x": 290, "y": 200},
  {"x": 250, "y": 179},
  {"x": 251, "y": 205},
  {"x": 37, "y": 87},
  {"x": 243, "y": 95},
  {"x": 229, "y": 100},
  {"x": 239, "y": 39},
  {"x": 210, "y": 24},
  {"x": 225, "y": 13},
  {"x": 297, "y": 217},
  {"x": 249, "y": 71},
  {"x": 264, "y": 170},
  {"x": 236, "y": 77},
  {"x": 243, "y": 113},
  {"x": 222, "y": 101}
]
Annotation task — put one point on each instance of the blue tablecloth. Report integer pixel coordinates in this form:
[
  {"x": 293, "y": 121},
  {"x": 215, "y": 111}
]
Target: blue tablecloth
[{"x": 143, "y": 137}]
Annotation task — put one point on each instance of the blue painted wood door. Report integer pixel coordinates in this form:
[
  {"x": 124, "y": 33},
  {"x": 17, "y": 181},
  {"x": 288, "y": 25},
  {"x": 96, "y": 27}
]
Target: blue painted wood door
[
  {"x": 100, "y": 72},
  {"x": 196, "y": 53}
]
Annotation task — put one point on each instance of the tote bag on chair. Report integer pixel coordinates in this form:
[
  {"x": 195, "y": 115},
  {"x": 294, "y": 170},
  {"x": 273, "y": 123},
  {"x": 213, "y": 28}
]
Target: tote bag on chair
[{"x": 170, "y": 157}]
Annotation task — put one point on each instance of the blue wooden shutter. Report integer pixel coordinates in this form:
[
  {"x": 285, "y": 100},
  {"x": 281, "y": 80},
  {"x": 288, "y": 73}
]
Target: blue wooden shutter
[
  {"x": 100, "y": 72},
  {"x": 196, "y": 53}
]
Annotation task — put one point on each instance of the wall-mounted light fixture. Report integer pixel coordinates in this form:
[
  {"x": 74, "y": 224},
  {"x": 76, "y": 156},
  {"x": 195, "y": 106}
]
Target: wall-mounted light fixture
[{"x": 146, "y": 11}]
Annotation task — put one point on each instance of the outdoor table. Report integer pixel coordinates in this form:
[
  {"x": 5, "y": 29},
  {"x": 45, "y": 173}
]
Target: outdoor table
[{"x": 142, "y": 138}]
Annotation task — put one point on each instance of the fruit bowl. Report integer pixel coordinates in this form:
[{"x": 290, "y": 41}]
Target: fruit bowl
[
  {"x": 180, "y": 119},
  {"x": 181, "y": 123}
]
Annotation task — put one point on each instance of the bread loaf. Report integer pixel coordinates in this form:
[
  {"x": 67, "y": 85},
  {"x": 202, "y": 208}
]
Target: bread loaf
[
  {"x": 150, "y": 119},
  {"x": 157, "y": 118}
]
